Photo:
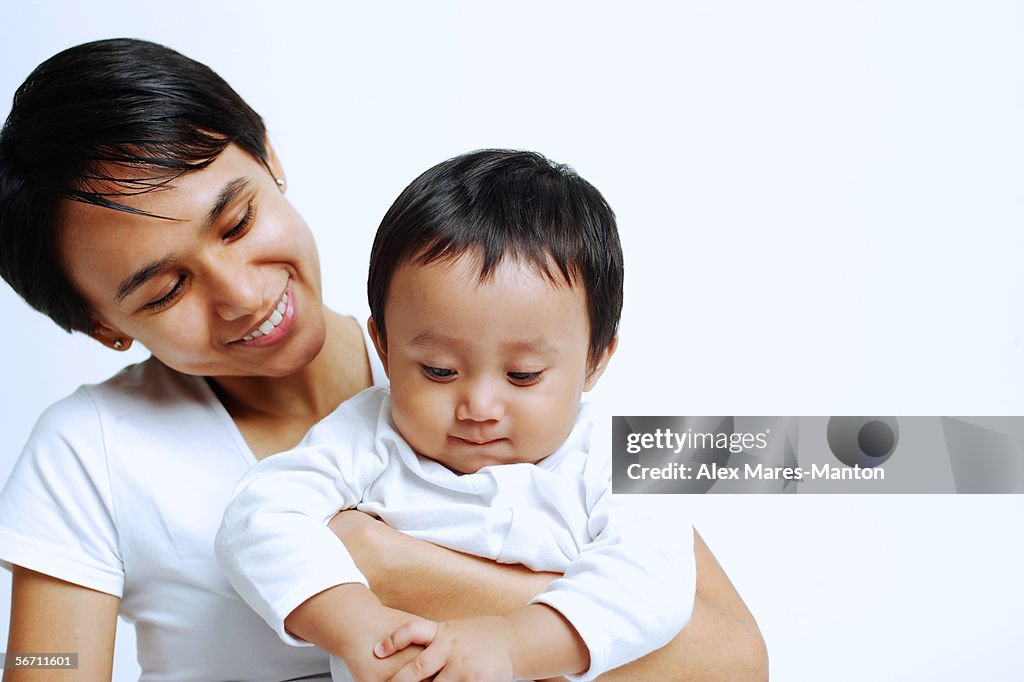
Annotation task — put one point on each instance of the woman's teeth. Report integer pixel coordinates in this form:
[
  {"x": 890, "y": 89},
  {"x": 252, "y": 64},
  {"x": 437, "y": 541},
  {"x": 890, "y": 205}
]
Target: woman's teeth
[{"x": 272, "y": 321}]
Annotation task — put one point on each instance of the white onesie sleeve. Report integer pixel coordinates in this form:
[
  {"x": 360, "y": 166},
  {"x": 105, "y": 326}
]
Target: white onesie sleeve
[
  {"x": 274, "y": 544},
  {"x": 56, "y": 511},
  {"x": 631, "y": 588}
]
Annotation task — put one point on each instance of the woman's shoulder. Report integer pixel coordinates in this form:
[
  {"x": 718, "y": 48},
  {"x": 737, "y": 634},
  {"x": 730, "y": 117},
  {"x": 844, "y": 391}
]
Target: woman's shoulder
[
  {"x": 60, "y": 512},
  {"x": 146, "y": 389},
  {"x": 149, "y": 380}
]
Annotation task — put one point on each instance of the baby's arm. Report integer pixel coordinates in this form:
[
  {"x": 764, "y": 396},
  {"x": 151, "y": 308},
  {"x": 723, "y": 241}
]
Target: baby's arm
[
  {"x": 362, "y": 623},
  {"x": 533, "y": 642},
  {"x": 631, "y": 589},
  {"x": 274, "y": 544},
  {"x": 276, "y": 549}
]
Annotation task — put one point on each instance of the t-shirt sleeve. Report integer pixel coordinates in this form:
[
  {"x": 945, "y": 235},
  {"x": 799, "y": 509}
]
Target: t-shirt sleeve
[
  {"x": 274, "y": 544},
  {"x": 56, "y": 510},
  {"x": 631, "y": 588}
]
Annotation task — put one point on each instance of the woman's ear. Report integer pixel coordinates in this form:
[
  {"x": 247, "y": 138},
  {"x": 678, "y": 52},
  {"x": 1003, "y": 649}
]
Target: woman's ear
[
  {"x": 378, "y": 345},
  {"x": 598, "y": 369},
  {"x": 110, "y": 337},
  {"x": 276, "y": 169}
]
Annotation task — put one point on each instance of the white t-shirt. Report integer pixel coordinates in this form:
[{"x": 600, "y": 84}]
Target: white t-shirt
[
  {"x": 628, "y": 562},
  {"x": 121, "y": 488}
]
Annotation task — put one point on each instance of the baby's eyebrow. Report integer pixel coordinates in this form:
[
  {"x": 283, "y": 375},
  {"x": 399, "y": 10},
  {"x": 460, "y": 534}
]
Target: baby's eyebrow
[
  {"x": 431, "y": 338},
  {"x": 537, "y": 345}
]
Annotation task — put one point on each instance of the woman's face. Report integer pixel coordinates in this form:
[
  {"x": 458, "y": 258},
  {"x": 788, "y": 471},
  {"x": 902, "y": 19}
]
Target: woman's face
[{"x": 229, "y": 287}]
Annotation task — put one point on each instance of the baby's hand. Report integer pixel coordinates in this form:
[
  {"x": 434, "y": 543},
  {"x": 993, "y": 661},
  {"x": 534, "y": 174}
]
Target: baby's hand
[{"x": 472, "y": 649}]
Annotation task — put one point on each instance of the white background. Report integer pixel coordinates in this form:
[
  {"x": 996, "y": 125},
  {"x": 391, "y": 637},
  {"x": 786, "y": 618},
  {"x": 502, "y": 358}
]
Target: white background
[{"x": 821, "y": 207}]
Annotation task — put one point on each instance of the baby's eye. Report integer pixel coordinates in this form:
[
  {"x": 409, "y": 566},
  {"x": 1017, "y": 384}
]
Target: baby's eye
[
  {"x": 524, "y": 378},
  {"x": 438, "y": 373}
]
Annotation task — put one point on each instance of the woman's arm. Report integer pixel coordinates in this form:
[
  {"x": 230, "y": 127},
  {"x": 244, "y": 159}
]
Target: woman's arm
[
  {"x": 721, "y": 641},
  {"x": 55, "y": 617},
  {"x": 431, "y": 581}
]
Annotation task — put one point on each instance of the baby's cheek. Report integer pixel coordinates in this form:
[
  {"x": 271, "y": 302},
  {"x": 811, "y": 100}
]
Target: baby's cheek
[
  {"x": 555, "y": 420},
  {"x": 418, "y": 418}
]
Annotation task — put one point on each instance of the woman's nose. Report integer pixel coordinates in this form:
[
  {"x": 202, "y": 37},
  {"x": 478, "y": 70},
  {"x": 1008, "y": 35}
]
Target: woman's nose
[
  {"x": 237, "y": 291},
  {"x": 480, "y": 401}
]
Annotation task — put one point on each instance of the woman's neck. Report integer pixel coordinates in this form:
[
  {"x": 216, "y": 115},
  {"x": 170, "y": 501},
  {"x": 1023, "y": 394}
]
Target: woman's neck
[{"x": 339, "y": 371}]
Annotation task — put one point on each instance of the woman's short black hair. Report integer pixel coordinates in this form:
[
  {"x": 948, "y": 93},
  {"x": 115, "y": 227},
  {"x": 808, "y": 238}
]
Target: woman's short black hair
[
  {"x": 499, "y": 204},
  {"x": 80, "y": 119}
]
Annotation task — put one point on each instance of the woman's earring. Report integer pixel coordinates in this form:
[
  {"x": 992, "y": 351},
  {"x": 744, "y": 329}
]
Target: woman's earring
[
  {"x": 280, "y": 183},
  {"x": 118, "y": 344}
]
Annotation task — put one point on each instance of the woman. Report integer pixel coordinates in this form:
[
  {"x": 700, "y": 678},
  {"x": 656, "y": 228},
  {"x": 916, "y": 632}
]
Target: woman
[{"x": 140, "y": 200}]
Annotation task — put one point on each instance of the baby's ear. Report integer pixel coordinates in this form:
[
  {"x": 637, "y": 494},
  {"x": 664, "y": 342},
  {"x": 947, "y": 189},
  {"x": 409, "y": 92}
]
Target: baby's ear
[
  {"x": 378, "y": 345},
  {"x": 598, "y": 367}
]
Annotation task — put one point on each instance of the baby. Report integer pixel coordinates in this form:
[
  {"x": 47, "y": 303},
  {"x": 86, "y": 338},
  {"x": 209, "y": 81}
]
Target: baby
[{"x": 495, "y": 290}]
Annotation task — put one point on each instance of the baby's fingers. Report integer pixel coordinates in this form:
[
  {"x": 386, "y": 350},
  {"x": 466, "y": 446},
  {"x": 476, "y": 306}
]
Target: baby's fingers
[
  {"x": 430, "y": 661},
  {"x": 418, "y": 631}
]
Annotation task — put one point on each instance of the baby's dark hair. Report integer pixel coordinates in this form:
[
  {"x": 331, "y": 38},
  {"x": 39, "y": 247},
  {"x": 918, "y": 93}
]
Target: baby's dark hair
[
  {"x": 499, "y": 204},
  {"x": 97, "y": 123}
]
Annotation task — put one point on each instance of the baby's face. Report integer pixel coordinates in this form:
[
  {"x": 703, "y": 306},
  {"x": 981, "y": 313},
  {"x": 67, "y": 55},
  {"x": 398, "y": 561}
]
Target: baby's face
[{"x": 484, "y": 373}]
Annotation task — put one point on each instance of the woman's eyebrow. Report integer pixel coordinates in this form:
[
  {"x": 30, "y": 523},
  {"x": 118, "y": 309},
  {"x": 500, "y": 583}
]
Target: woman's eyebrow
[
  {"x": 227, "y": 195},
  {"x": 140, "y": 277}
]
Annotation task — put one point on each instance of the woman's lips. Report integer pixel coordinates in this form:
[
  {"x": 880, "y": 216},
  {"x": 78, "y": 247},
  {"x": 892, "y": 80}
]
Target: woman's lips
[{"x": 276, "y": 325}]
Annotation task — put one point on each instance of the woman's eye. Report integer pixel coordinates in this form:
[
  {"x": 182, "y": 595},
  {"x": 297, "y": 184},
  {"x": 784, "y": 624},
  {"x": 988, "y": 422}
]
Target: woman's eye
[
  {"x": 243, "y": 225},
  {"x": 438, "y": 373},
  {"x": 170, "y": 297},
  {"x": 524, "y": 378}
]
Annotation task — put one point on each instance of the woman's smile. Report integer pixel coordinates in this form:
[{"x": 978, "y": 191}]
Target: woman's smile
[{"x": 274, "y": 326}]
